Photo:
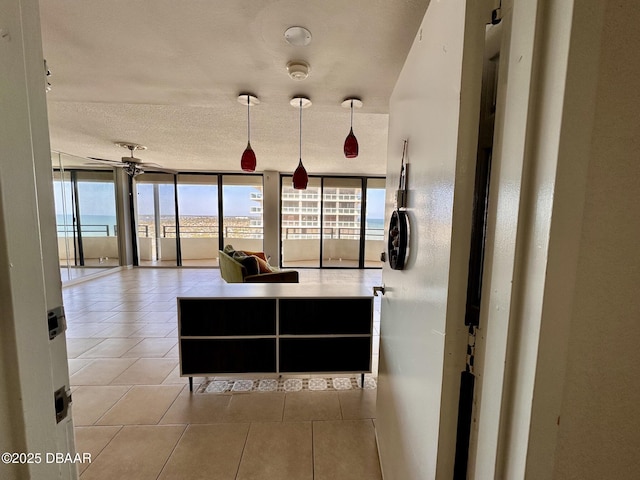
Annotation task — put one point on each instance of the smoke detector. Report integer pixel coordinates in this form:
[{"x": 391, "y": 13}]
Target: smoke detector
[{"x": 298, "y": 70}]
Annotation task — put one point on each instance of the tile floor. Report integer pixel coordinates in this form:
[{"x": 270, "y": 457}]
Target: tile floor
[{"x": 134, "y": 413}]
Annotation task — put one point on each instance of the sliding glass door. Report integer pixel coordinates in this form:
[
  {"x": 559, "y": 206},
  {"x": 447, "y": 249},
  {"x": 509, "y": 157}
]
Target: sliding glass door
[
  {"x": 300, "y": 223},
  {"x": 199, "y": 215},
  {"x": 341, "y": 208},
  {"x": 323, "y": 226},
  {"x": 156, "y": 220},
  {"x": 374, "y": 222},
  {"x": 242, "y": 204}
]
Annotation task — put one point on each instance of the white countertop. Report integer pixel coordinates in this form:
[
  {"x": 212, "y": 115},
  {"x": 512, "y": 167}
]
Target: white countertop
[{"x": 280, "y": 290}]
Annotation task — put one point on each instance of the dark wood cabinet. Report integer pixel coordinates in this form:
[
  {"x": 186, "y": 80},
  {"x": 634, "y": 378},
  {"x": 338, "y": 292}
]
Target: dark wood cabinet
[{"x": 276, "y": 328}]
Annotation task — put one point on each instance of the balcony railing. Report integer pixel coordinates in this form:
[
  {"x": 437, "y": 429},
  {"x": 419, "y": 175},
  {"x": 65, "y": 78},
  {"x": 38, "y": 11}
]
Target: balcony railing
[
  {"x": 99, "y": 230},
  {"x": 296, "y": 233},
  {"x": 169, "y": 231}
]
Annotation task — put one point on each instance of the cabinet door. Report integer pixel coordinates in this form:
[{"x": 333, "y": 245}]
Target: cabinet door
[
  {"x": 207, "y": 356},
  {"x": 325, "y": 316},
  {"x": 227, "y": 317},
  {"x": 341, "y": 354}
]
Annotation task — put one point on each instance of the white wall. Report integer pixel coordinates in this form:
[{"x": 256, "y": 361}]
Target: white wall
[
  {"x": 560, "y": 307},
  {"x": 599, "y": 422},
  {"x": 435, "y": 105}
]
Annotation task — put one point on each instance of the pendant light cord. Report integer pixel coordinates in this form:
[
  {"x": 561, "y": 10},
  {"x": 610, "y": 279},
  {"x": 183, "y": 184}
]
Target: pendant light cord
[
  {"x": 301, "y": 129},
  {"x": 352, "y": 114},
  {"x": 248, "y": 120}
]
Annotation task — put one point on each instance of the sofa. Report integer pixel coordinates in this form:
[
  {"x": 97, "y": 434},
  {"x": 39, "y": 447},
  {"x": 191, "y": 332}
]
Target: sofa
[{"x": 238, "y": 267}]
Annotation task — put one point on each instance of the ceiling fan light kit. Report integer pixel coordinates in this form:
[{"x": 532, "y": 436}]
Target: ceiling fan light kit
[{"x": 248, "y": 160}]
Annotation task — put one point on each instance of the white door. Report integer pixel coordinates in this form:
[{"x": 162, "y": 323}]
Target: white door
[
  {"x": 34, "y": 366},
  {"x": 434, "y": 106}
]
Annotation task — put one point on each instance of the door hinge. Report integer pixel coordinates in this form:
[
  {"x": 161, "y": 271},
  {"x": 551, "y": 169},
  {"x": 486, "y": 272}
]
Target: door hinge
[
  {"x": 62, "y": 400},
  {"x": 56, "y": 322}
]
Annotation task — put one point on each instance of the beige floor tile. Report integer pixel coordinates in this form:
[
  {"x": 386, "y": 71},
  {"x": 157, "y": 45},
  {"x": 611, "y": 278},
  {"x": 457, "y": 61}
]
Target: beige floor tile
[
  {"x": 134, "y": 306},
  {"x": 118, "y": 330},
  {"x": 76, "y": 364},
  {"x": 142, "y": 405},
  {"x": 160, "y": 307},
  {"x": 151, "y": 347},
  {"x": 77, "y": 346},
  {"x": 345, "y": 450},
  {"x": 174, "y": 352},
  {"x": 125, "y": 317},
  {"x": 173, "y": 333},
  {"x": 90, "y": 403},
  {"x": 83, "y": 330},
  {"x": 357, "y": 404},
  {"x": 154, "y": 330},
  {"x": 255, "y": 407},
  {"x": 92, "y": 440},
  {"x": 281, "y": 450},
  {"x": 135, "y": 453},
  {"x": 105, "y": 306},
  {"x": 197, "y": 408},
  {"x": 174, "y": 378},
  {"x": 305, "y": 406},
  {"x": 146, "y": 371},
  {"x": 221, "y": 445},
  {"x": 162, "y": 317},
  {"x": 87, "y": 316},
  {"x": 111, "y": 348},
  {"x": 101, "y": 371}
]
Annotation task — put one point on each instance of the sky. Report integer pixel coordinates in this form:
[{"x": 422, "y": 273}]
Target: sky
[{"x": 98, "y": 198}]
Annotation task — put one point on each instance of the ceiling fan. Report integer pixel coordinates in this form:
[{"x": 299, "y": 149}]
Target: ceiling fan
[{"x": 132, "y": 165}]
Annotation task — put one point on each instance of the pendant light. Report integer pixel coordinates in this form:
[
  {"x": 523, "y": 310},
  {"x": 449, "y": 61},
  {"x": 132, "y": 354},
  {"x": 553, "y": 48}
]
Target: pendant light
[
  {"x": 351, "y": 142},
  {"x": 248, "y": 160},
  {"x": 300, "y": 177}
]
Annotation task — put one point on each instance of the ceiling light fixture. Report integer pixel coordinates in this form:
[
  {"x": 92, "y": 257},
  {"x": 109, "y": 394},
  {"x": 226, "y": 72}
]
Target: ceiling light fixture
[
  {"x": 298, "y": 70},
  {"x": 351, "y": 142},
  {"x": 248, "y": 160},
  {"x": 300, "y": 177}
]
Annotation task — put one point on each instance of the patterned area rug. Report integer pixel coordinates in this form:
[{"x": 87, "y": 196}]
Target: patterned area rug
[{"x": 315, "y": 384}]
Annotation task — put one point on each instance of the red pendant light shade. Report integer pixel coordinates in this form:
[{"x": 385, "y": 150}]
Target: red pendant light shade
[
  {"x": 351, "y": 142},
  {"x": 351, "y": 145},
  {"x": 248, "y": 161},
  {"x": 300, "y": 177}
]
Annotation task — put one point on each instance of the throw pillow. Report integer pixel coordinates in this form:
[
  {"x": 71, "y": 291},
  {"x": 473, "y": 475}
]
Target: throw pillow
[
  {"x": 228, "y": 249},
  {"x": 250, "y": 263},
  {"x": 263, "y": 265},
  {"x": 256, "y": 254}
]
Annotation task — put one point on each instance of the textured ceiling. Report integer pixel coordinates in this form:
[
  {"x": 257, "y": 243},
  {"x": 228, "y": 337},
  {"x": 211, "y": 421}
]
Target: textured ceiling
[{"x": 167, "y": 73}]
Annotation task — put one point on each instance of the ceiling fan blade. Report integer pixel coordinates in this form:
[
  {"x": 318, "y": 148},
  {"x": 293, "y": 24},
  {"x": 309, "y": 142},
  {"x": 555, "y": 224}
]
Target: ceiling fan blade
[
  {"x": 154, "y": 167},
  {"x": 104, "y": 165},
  {"x": 113, "y": 162}
]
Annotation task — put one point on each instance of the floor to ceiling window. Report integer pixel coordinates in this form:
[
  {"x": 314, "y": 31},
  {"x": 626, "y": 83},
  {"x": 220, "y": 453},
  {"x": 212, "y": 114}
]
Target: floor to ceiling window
[
  {"x": 300, "y": 213},
  {"x": 180, "y": 217},
  {"x": 374, "y": 222},
  {"x": 156, "y": 220},
  {"x": 341, "y": 209},
  {"x": 198, "y": 214},
  {"x": 242, "y": 205},
  {"x": 323, "y": 226}
]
